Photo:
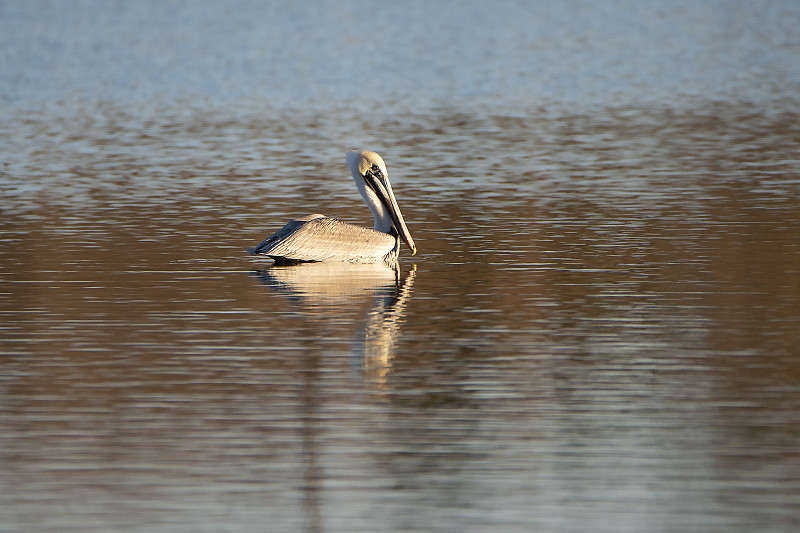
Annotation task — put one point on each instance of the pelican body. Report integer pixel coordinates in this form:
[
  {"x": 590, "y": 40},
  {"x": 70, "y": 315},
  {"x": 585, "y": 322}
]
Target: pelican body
[{"x": 319, "y": 238}]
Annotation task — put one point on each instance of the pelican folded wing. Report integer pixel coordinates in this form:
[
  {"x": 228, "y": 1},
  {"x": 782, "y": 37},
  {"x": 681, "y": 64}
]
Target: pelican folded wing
[{"x": 326, "y": 239}]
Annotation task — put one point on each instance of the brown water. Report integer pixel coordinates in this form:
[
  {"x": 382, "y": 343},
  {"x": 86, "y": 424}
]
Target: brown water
[{"x": 599, "y": 333}]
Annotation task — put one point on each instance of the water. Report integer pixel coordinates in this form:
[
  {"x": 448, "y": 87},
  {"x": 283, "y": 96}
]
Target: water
[{"x": 599, "y": 333}]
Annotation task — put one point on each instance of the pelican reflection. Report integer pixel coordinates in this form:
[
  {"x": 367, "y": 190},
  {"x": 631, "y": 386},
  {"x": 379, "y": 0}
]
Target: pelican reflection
[{"x": 378, "y": 292}]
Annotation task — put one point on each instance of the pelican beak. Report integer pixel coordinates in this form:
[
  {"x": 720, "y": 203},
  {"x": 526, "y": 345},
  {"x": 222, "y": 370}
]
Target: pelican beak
[{"x": 380, "y": 185}]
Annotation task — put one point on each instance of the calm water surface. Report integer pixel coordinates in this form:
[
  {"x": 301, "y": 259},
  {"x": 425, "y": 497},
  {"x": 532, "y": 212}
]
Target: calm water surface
[{"x": 600, "y": 331}]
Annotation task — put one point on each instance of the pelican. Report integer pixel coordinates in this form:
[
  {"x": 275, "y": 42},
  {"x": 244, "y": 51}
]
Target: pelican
[{"x": 319, "y": 238}]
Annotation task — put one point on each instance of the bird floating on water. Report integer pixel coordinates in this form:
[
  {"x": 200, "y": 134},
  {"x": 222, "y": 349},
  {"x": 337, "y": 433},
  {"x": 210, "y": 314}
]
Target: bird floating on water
[{"x": 319, "y": 238}]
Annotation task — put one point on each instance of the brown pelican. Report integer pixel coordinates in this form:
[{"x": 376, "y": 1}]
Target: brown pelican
[{"x": 320, "y": 238}]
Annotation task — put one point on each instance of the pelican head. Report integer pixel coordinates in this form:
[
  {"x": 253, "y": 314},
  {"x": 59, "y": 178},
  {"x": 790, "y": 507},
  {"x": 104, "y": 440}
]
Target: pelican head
[{"x": 372, "y": 179}]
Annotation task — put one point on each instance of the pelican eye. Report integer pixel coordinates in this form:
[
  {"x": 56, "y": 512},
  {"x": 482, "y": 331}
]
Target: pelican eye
[{"x": 376, "y": 171}]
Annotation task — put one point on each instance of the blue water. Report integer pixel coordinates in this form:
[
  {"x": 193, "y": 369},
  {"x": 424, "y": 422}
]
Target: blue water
[{"x": 407, "y": 56}]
